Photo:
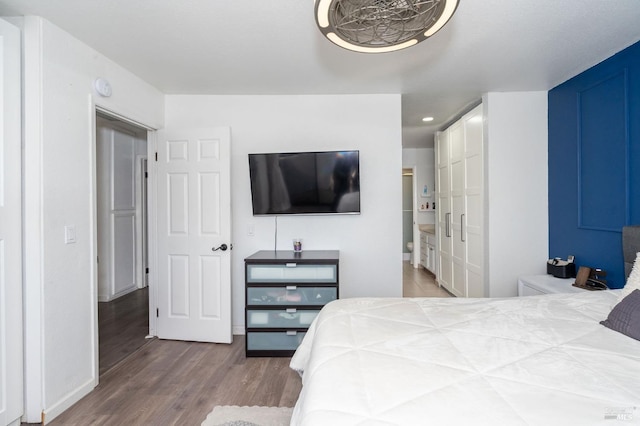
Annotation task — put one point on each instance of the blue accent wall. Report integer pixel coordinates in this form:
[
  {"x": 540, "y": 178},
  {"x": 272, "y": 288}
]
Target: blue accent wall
[{"x": 594, "y": 163}]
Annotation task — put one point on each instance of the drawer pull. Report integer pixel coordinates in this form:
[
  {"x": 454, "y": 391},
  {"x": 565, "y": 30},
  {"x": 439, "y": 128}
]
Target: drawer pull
[
  {"x": 291, "y": 332},
  {"x": 291, "y": 288},
  {"x": 291, "y": 310},
  {"x": 291, "y": 265}
]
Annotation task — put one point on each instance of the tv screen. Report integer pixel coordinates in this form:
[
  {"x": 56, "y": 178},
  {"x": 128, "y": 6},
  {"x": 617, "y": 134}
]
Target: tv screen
[{"x": 305, "y": 182}]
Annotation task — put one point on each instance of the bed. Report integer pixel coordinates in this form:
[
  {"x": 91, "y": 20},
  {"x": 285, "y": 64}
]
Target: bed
[{"x": 538, "y": 360}]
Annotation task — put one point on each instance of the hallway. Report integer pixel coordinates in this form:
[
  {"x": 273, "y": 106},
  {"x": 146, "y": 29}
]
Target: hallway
[
  {"x": 122, "y": 326},
  {"x": 418, "y": 282}
]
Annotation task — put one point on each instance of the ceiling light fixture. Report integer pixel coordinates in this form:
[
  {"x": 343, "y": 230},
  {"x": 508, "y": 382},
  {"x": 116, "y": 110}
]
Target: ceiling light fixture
[
  {"x": 427, "y": 119},
  {"x": 378, "y": 26}
]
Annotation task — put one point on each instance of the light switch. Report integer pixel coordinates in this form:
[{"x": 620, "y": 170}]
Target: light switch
[
  {"x": 69, "y": 234},
  {"x": 251, "y": 230}
]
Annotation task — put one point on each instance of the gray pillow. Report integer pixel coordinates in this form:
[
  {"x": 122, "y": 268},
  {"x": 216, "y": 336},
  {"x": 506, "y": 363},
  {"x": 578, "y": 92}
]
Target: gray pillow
[{"x": 625, "y": 316}]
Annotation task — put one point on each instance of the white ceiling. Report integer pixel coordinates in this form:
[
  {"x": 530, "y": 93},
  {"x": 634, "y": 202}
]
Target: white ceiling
[{"x": 273, "y": 47}]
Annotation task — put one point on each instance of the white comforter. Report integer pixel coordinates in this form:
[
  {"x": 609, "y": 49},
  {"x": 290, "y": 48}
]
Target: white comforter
[{"x": 541, "y": 360}]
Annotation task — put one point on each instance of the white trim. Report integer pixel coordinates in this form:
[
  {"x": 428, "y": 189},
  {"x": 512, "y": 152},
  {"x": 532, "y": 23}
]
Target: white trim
[
  {"x": 414, "y": 257},
  {"x": 93, "y": 225},
  {"x": 139, "y": 212},
  {"x": 152, "y": 253},
  {"x": 103, "y": 298},
  {"x": 66, "y": 402},
  {"x": 11, "y": 252},
  {"x": 238, "y": 330},
  {"x": 111, "y": 113},
  {"x": 32, "y": 221}
]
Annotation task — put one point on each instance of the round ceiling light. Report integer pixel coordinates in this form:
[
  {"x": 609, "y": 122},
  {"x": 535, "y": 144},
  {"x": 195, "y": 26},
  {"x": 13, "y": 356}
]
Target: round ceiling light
[{"x": 377, "y": 26}]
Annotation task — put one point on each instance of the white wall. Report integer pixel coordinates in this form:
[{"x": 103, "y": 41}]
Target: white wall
[
  {"x": 370, "y": 262},
  {"x": 516, "y": 172},
  {"x": 60, "y": 288}
]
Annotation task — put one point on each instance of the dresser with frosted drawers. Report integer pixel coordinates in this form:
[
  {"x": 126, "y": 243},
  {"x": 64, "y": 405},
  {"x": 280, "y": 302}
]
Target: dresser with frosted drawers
[{"x": 284, "y": 291}]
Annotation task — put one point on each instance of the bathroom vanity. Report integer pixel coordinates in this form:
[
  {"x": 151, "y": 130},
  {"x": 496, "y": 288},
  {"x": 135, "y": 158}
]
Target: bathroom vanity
[{"x": 428, "y": 248}]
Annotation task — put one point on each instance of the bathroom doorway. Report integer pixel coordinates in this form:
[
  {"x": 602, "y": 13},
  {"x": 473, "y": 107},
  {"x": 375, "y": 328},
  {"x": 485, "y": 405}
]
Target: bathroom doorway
[{"x": 407, "y": 214}]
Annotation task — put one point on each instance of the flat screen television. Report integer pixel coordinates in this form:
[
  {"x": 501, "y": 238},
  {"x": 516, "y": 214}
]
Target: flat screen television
[{"x": 305, "y": 183}]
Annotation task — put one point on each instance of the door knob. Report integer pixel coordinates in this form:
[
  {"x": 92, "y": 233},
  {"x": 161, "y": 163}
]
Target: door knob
[{"x": 222, "y": 247}]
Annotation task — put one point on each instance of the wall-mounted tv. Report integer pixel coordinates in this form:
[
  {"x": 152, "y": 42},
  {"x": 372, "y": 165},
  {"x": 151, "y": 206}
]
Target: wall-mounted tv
[{"x": 305, "y": 182}]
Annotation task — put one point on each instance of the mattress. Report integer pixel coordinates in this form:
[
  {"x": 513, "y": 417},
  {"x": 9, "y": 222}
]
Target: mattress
[{"x": 540, "y": 360}]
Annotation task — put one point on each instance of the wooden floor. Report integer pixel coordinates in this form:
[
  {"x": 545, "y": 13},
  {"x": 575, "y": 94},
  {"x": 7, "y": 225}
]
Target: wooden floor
[
  {"x": 418, "y": 282},
  {"x": 178, "y": 383},
  {"x": 122, "y": 326},
  {"x": 163, "y": 382}
]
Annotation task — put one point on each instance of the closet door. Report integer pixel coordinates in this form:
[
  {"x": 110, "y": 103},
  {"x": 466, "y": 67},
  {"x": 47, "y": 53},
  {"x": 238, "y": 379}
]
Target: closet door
[
  {"x": 472, "y": 221},
  {"x": 458, "y": 246},
  {"x": 443, "y": 209},
  {"x": 460, "y": 186}
]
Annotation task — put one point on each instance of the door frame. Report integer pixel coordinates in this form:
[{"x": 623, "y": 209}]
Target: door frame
[
  {"x": 142, "y": 210},
  {"x": 96, "y": 107},
  {"x": 415, "y": 228},
  {"x": 12, "y": 323}
]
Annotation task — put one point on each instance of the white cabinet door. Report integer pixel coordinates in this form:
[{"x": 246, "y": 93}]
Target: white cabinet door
[
  {"x": 460, "y": 213},
  {"x": 11, "y": 384},
  {"x": 474, "y": 203},
  {"x": 458, "y": 248},
  {"x": 443, "y": 209},
  {"x": 193, "y": 223}
]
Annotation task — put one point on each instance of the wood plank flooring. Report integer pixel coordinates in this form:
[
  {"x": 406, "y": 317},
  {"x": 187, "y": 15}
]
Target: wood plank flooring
[
  {"x": 178, "y": 383},
  {"x": 165, "y": 382},
  {"x": 122, "y": 326}
]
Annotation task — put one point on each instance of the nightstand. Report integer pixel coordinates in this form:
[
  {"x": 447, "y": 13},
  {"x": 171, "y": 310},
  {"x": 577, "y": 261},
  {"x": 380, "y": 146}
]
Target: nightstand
[{"x": 533, "y": 285}]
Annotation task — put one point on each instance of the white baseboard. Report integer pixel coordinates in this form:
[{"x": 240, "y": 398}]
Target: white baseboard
[
  {"x": 48, "y": 414},
  {"x": 237, "y": 330},
  {"x": 109, "y": 298}
]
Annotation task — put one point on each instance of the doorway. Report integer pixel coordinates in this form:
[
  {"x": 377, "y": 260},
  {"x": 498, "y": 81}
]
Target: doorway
[
  {"x": 416, "y": 280},
  {"x": 407, "y": 214},
  {"x": 121, "y": 218}
]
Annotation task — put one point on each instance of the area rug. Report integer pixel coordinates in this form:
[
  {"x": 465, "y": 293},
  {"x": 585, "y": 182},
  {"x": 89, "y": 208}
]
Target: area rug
[{"x": 232, "y": 415}]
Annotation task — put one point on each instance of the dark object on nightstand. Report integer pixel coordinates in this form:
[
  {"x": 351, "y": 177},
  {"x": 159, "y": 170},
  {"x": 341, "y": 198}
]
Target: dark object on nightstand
[
  {"x": 591, "y": 279},
  {"x": 561, "y": 268}
]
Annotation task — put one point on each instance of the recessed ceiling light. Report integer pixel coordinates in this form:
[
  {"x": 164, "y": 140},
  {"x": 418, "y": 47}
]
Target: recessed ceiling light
[{"x": 427, "y": 119}]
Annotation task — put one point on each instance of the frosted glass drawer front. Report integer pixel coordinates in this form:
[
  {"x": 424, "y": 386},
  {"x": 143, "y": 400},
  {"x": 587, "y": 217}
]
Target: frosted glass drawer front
[
  {"x": 292, "y": 272},
  {"x": 281, "y": 318},
  {"x": 281, "y": 340},
  {"x": 291, "y": 295}
]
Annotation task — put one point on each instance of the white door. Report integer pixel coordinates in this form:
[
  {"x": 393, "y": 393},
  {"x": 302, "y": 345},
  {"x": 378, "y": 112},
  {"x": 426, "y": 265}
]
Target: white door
[
  {"x": 474, "y": 203},
  {"x": 11, "y": 385},
  {"x": 443, "y": 209},
  {"x": 194, "y": 235},
  {"x": 457, "y": 165}
]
